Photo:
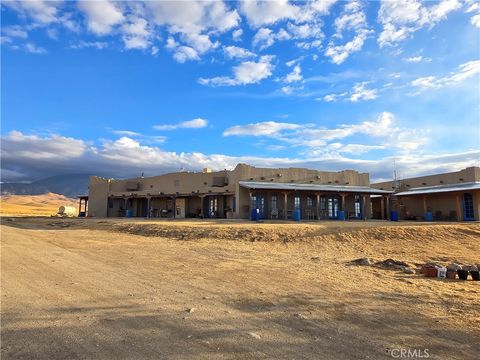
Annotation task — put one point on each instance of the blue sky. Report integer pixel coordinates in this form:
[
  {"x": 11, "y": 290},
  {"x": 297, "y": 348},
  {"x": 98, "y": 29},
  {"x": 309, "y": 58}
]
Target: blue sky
[{"x": 120, "y": 88}]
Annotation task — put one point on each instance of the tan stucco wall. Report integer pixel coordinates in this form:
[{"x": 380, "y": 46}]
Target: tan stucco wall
[
  {"x": 466, "y": 175},
  {"x": 98, "y": 189}
]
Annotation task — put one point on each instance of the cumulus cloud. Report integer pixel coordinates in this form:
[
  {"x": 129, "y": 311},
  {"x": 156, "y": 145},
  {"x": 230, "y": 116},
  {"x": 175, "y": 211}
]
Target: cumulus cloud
[
  {"x": 41, "y": 12},
  {"x": 248, "y": 72},
  {"x": 190, "y": 124},
  {"x": 235, "y": 52},
  {"x": 294, "y": 76},
  {"x": 401, "y": 18},
  {"x": 29, "y": 157},
  {"x": 360, "y": 92},
  {"x": 416, "y": 59},
  {"x": 15, "y": 32},
  {"x": 353, "y": 19},
  {"x": 34, "y": 49},
  {"x": 101, "y": 15}
]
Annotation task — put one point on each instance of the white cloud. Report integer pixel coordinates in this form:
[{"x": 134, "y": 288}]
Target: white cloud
[
  {"x": 475, "y": 8},
  {"x": 360, "y": 92},
  {"x": 15, "y": 31},
  {"x": 33, "y": 147},
  {"x": 260, "y": 13},
  {"x": 184, "y": 53},
  {"x": 27, "y": 157},
  {"x": 34, "y": 49},
  {"x": 190, "y": 124},
  {"x": 126, "y": 133},
  {"x": 136, "y": 33},
  {"x": 294, "y": 76},
  {"x": 305, "y": 31},
  {"x": 237, "y": 34},
  {"x": 416, "y": 59},
  {"x": 401, "y": 18},
  {"x": 248, "y": 72},
  {"x": 329, "y": 98},
  {"x": 101, "y": 15},
  {"x": 465, "y": 71},
  {"x": 352, "y": 19},
  {"x": 268, "y": 128},
  {"x": 89, "y": 44},
  {"x": 264, "y": 38},
  {"x": 235, "y": 52},
  {"x": 42, "y": 12}
]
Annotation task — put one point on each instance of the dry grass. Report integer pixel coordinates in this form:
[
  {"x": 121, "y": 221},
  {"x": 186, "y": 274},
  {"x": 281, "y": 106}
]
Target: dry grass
[
  {"x": 34, "y": 205},
  {"x": 120, "y": 288}
]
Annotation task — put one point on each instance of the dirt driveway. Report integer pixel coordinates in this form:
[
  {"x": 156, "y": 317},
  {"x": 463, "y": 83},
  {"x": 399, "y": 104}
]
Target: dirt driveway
[{"x": 105, "y": 290}]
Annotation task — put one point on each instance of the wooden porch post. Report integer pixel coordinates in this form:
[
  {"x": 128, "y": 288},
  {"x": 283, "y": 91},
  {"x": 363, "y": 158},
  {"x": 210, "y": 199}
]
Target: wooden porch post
[
  {"x": 285, "y": 205},
  {"x": 343, "y": 201},
  {"x": 364, "y": 207},
  {"x": 459, "y": 207},
  {"x": 388, "y": 207},
  {"x": 148, "y": 206},
  {"x": 79, "y": 206},
  {"x": 318, "y": 205},
  {"x": 382, "y": 207}
]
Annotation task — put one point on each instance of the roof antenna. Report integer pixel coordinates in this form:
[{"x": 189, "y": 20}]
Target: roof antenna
[{"x": 396, "y": 183}]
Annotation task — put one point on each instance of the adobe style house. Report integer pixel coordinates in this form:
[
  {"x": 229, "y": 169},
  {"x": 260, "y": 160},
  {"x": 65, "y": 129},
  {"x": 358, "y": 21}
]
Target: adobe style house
[
  {"x": 453, "y": 196},
  {"x": 272, "y": 194}
]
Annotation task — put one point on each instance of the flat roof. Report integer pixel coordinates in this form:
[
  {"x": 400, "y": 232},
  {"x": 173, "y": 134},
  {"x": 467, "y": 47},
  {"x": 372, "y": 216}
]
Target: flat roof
[
  {"x": 441, "y": 189},
  {"x": 311, "y": 187}
]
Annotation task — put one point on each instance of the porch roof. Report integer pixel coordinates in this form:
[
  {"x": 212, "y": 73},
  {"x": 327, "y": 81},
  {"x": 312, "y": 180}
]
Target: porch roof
[
  {"x": 475, "y": 185},
  {"x": 312, "y": 187}
]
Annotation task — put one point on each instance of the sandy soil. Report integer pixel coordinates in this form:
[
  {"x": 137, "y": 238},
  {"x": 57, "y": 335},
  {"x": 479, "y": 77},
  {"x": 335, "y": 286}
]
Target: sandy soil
[
  {"x": 122, "y": 289},
  {"x": 34, "y": 205}
]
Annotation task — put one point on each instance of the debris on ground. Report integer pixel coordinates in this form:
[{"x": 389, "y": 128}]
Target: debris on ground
[{"x": 254, "y": 335}]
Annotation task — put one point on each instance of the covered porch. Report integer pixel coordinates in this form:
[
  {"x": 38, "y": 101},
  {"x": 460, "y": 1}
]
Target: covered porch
[
  {"x": 308, "y": 201},
  {"x": 172, "y": 206}
]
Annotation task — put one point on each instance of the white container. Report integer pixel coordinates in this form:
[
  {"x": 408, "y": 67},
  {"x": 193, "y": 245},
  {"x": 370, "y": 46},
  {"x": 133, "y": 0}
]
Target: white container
[{"x": 442, "y": 272}]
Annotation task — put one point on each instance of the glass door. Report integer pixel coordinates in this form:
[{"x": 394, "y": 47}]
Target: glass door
[
  {"x": 468, "y": 213},
  {"x": 332, "y": 208}
]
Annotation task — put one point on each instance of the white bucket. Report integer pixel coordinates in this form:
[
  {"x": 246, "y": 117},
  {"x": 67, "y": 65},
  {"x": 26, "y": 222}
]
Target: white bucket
[{"x": 442, "y": 272}]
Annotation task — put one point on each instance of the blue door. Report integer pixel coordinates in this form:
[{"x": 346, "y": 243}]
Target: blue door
[
  {"x": 261, "y": 206},
  {"x": 468, "y": 213}
]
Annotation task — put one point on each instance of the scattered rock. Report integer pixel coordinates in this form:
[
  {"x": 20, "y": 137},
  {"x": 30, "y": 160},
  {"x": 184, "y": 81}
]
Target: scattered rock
[
  {"x": 392, "y": 264},
  {"x": 254, "y": 335},
  {"x": 315, "y": 258},
  {"x": 408, "y": 271},
  {"x": 361, "y": 262},
  {"x": 301, "y": 316},
  {"x": 191, "y": 310}
]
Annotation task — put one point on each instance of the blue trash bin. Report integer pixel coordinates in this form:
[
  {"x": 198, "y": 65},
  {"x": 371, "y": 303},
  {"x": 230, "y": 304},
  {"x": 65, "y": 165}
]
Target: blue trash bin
[
  {"x": 394, "y": 215},
  {"x": 255, "y": 214},
  {"x": 428, "y": 216},
  {"x": 296, "y": 215},
  {"x": 341, "y": 215},
  {"x": 128, "y": 213}
]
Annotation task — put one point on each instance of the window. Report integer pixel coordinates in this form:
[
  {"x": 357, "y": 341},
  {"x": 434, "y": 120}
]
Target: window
[
  {"x": 253, "y": 201},
  {"x": 309, "y": 201},
  {"x": 296, "y": 202},
  {"x": 176, "y": 183},
  {"x": 274, "y": 201},
  {"x": 323, "y": 203}
]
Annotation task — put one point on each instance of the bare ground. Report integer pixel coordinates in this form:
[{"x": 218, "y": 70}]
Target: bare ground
[{"x": 122, "y": 289}]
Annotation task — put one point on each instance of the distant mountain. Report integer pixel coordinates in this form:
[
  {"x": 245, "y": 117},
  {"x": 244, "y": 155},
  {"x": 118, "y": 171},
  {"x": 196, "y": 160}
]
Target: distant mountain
[{"x": 68, "y": 185}]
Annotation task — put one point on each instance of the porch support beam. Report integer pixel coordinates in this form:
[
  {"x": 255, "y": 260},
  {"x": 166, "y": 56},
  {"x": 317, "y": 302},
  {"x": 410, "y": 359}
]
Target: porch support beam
[{"x": 459, "y": 207}]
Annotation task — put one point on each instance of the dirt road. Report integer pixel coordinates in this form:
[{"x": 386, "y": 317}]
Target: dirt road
[{"x": 104, "y": 290}]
